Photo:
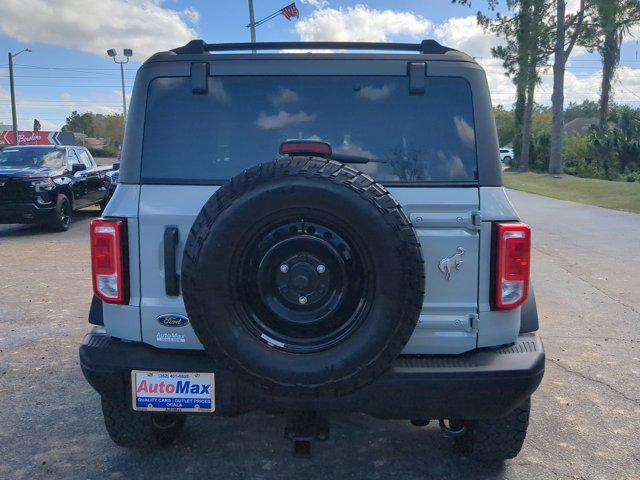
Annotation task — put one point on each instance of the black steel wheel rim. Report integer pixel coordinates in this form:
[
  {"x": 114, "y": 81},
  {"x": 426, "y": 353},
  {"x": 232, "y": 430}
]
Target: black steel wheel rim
[
  {"x": 64, "y": 214},
  {"x": 303, "y": 286}
]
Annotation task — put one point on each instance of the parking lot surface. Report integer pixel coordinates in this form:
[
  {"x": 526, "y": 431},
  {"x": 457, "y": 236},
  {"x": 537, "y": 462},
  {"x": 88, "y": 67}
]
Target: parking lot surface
[{"x": 585, "y": 416}]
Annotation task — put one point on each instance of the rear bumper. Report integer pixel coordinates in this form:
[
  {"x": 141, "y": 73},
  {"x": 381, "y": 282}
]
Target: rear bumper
[
  {"x": 24, "y": 212},
  {"x": 479, "y": 384}
]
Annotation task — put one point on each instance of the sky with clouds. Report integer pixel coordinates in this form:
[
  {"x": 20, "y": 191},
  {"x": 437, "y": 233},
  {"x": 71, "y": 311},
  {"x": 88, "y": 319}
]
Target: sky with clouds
[{"x": 69, "y": 69}]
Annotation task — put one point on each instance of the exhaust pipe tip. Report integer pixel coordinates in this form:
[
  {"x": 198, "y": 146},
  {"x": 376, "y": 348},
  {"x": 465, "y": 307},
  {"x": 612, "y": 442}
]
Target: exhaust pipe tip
[{"x": 454, "y": 428}]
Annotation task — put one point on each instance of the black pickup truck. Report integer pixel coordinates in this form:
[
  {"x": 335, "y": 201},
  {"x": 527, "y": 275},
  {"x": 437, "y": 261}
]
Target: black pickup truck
[{"x": 46, "y": 184}]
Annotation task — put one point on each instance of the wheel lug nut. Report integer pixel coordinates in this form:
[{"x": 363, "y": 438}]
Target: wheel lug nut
[
  {"x": 284, "y": 268},
  {"x": 302, "y": 300},
  {"x": 321, "y": 268}
]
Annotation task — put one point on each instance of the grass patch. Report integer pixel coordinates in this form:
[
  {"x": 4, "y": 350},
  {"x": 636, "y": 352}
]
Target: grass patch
[{"x": 623, "y": 196}]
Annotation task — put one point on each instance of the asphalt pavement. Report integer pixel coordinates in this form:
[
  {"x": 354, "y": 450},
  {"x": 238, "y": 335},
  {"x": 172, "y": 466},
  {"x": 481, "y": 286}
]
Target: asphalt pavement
[{"x": 585, "y": 416}]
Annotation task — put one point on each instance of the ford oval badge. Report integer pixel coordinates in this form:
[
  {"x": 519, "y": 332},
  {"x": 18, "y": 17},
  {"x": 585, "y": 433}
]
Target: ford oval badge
[{"x": 173, "y": 320}]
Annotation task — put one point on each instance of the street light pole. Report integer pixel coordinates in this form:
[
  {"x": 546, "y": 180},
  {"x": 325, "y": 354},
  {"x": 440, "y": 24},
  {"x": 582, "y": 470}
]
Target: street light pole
[
  {"x": 127, "y": 53},
  {"x": 14, "y": 115},
  {"x": 124, "y": 98},
  {"x": 252, "y": 24}
]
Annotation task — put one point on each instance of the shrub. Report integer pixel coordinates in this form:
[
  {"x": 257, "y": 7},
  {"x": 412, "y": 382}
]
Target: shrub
[
  {"x": 539, "y": 151},
  {"x": 632, "y": 177},
  {"x": 575, "y": 149}
]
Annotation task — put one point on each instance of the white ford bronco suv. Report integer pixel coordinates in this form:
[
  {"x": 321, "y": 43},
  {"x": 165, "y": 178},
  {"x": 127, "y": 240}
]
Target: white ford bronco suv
[{"x": 308, "y": 233}]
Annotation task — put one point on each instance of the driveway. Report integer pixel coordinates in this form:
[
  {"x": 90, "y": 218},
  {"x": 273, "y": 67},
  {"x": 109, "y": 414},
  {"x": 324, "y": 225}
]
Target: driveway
[{"x": 585, "y": 420}]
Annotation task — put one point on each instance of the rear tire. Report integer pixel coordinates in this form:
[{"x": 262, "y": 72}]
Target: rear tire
[
  {"x": 140, "y": 430},
  {"x": 61, "y": 219},
  {"x": 496, "y": 439}
]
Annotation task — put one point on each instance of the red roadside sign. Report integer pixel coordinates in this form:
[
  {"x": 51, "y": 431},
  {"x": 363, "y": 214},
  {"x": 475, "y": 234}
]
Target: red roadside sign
[{"x": 30, "y": 137}]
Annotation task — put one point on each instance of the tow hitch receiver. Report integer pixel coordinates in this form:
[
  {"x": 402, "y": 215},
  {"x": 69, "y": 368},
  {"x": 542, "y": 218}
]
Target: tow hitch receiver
[{"x": 304, "y": 427}]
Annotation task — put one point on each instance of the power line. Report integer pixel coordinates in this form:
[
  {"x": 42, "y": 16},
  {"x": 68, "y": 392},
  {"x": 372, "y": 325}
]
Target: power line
[
  {"x": 72, "y": 68},
  {"x": 26, "y": 101},
  {"x": 83, "y": 77},
  {"x": 67, "y": 86},
  {"x": 95, "y": 71}
]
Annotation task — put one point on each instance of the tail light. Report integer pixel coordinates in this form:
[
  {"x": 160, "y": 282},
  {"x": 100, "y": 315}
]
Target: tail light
[
  {"x": 108, "y": 260},
  {"x": 512, "y": 255}
]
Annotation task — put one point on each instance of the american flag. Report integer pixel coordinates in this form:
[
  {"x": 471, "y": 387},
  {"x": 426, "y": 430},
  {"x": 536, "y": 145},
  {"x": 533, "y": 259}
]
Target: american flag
[{"x": 290, "y": 11}]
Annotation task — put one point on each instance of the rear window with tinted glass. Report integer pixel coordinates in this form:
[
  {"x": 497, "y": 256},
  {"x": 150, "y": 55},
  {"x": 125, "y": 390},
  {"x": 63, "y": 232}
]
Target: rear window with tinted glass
[{"x": 242, "y": 121}]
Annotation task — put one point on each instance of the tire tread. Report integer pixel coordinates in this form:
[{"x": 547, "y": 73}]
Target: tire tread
[
  {"x": 134, "y": 429},
  {"x": 497, "y": 439}
]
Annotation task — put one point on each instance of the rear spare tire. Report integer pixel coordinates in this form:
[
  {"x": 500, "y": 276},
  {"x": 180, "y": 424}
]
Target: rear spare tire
[{"x": 304, "y": 276}]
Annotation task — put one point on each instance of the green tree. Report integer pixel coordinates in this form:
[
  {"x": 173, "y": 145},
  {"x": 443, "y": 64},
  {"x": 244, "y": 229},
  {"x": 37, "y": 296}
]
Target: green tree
[
  {"x": 80, "y": 123},
  {"x": 568, "y": 29},
  {"x": 625, "y": 136},
  {"x": 505, "y": 124},
  {"x": 525, "y": 51},
  {"x": 614, "y": 20},
  {"x": 542, "y": 31},
  {"x": 540, "y": 138},
  {"x": 108, "y": 127},
  {"x": 586, "y": 109}
]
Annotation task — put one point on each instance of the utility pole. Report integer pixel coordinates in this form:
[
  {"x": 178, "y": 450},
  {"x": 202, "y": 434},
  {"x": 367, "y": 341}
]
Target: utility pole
[
  {"x": 252, "y": 24},
  {"x": 127, "y": 53},
  {"x": 14, "y": 114}
]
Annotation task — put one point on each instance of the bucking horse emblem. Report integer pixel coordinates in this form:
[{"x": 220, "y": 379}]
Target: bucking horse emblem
[{"x": 449, "y": 264}]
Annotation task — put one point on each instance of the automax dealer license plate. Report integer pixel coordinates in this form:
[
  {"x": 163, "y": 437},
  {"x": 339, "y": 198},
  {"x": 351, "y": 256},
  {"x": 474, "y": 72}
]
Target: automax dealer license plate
[{"x": 173, "y": 391}]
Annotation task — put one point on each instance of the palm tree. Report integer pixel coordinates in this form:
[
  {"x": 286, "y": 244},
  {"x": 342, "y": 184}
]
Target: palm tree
[{"x": 615, "y": 18}]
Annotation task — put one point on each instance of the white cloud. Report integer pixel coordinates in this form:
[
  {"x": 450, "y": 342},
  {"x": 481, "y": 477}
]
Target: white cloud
[
  {"x": 284, "y": 96},
  {"x": 464, "y": 34},
  {"x": 375, "y": 94},
  {"x": 633, "y": 35},
  {"x": 503, "y": 91},
  {"x": 465, "y": 131},
  {"x": 572, "y": 6},
  {"x": 191, "y": 15},
  {"x": 283, "y": 119},
  {"x": 625, "y": 87},
  {"x": 360, "y": 24},
  {"x": 93, "y": 26},
  {"x": 316, "y": 3}
]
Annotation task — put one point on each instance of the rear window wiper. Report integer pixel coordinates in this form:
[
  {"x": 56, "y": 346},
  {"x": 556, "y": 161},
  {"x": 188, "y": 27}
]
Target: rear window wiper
[
  {"x": 322, "y": 149},
  {"x": 346, "y": 158}
]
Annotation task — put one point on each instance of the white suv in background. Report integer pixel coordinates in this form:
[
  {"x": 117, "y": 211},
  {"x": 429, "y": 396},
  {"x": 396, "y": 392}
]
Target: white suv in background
[{"x": 506, "y": 155}]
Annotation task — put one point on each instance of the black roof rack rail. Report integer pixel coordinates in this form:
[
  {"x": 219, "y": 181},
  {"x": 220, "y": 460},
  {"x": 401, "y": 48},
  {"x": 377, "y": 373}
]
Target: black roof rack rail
[{"x": 199, "y": 46}]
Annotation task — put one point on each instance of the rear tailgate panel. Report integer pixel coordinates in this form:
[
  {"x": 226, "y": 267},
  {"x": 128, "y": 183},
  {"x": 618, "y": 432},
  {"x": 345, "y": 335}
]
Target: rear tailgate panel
[
  {"x": 450, "y": 307},
  {"x": 444, "y": 219}
]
